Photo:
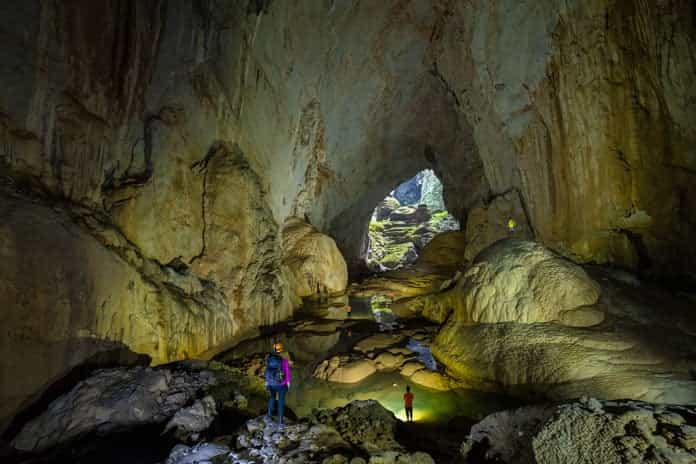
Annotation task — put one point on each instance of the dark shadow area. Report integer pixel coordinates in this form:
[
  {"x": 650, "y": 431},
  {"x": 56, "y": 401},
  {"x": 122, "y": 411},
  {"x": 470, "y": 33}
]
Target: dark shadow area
[{"x": 117, "y": 357}]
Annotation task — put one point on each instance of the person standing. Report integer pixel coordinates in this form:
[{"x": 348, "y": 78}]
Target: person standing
[
  {"x": 408, "y": 404},
  {"x": 277, "y": 379}
]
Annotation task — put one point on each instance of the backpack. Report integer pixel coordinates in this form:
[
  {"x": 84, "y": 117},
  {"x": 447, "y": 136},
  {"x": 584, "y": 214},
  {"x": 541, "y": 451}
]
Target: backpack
[{"x": 274, "y": 370}]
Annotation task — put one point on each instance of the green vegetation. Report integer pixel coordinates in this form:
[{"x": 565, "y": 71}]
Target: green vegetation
[{"x": 377, "y": 226}]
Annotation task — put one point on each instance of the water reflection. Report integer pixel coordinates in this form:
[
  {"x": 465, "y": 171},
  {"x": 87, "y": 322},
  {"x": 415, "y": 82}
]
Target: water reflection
[{"x": 323, "y": 329}]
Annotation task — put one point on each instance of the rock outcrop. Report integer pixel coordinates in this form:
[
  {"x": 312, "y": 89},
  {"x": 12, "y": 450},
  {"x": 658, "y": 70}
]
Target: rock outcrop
[
  {"x": 588, "y": 431},
  {"x": 535, "y": 343},
  {"x": 113, "y": 400},
  {"x": 315, "y": 264},
  {"x": 519, "y": 281}
]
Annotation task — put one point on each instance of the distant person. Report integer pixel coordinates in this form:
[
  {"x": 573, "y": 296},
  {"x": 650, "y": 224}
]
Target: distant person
[
  {"x": 512, "y": 226},
  {"x": 408, "y": 404},
  {"x": 277, "y": 378}
]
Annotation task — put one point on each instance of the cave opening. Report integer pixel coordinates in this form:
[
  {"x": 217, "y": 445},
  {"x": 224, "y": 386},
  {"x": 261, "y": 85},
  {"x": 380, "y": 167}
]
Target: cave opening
[{"x": 405, "y": 221}]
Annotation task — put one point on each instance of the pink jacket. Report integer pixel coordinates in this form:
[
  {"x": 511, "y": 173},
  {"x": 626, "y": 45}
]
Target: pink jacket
[{"x": 286, "y": 372}]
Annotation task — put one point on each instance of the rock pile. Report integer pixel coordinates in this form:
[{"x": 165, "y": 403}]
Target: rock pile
[{"x": 361, "y": 432}]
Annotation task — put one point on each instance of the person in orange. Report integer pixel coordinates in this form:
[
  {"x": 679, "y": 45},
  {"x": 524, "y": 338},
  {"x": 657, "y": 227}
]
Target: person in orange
[{"x": 408, "y": 404}]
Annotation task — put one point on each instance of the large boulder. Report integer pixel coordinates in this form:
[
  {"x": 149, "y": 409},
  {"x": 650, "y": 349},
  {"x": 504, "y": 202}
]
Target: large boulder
[
  {"x": 313, "y": 259},
  {"x": 586, "y": 432},
  {"x": 114, "y": 400},
  {"x": 519, "y": 281},
  {"x": 445, "y": 250},
  {"x": 523, "y": 321},
  {"x": 120, "y": 399}
]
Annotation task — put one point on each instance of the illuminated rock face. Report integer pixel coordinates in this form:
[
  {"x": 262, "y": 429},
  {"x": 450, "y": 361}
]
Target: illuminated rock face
[
  {"x": 536, "y": 339},
  {"x": 178, "y": 139},
  {"x": 314, "y": 263}
]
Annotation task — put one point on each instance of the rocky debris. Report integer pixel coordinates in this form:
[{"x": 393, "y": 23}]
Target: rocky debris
[
  {"x": 198, "y": 454},
  {"x": 588, "y": 431},
  {"x": 362, "y": 432},
  {"x": 113, "y": 400},
  {"x": 345, "y": 369},
  {"x": 189, "y": 422},
  {"x": 313, "y": 259},
  {"x": 364, "y": 424}
]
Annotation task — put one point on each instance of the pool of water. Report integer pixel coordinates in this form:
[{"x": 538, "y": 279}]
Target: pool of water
[
  {"x": 323, "y": 329},
  {"x": 388, "y": 388}
]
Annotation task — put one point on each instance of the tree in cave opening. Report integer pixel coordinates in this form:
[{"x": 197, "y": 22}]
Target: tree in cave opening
[{"x": 406, "y": 221}]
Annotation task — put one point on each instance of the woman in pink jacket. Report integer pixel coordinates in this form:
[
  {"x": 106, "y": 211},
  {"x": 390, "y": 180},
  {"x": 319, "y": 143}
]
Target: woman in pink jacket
[{"x": 277, "y": 378}]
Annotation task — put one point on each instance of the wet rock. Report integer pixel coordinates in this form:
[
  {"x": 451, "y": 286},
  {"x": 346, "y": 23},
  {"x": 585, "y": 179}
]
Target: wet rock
[
  {"x": 261, "y": 441},
  {"x": 445, "y": 250},
  {"x": 358, "y": 433},
  {"x": 410, "y": 368},
  {"x": 587, "y": 431},
  {"x": 345, "y": 369},
  {"x": 431, "y": 379},
  {"x": 389, "y": 361},
  {"x": 379, "y": 342}
]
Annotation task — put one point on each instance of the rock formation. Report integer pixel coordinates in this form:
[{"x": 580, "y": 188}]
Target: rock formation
[
  {"x": 113, "y": 400},
  {"x": 587, "y": 431},
  {"x": 363, "y": 432},
  {"x": 151, "y": 151},
  {"x": 314, "y": 263},
  {"x": 541, "y": 344}
]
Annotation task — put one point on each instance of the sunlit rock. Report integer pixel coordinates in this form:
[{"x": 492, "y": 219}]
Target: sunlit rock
[
  {"x": 384, "y": 209},
  {"x": 315, "y": 264}
]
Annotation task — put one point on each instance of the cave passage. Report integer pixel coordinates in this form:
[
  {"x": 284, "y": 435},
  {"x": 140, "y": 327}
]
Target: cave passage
[{"x": 406, "y": 221}]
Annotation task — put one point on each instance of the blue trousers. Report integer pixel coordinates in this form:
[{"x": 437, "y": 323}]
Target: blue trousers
[{"x": 279, "y": 392}]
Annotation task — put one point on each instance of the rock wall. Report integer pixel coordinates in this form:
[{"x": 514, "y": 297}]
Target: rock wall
[
  {"x": 180, "y": 135},
  {"x": 588, "y": 109}
]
